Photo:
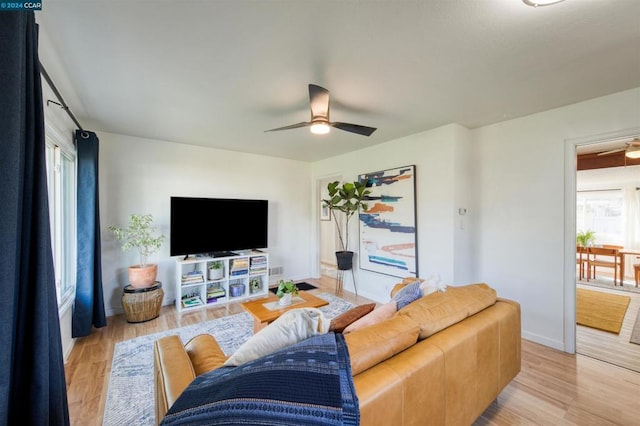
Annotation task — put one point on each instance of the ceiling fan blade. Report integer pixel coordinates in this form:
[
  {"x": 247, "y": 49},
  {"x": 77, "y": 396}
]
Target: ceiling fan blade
[
  {"x": 293, "y": 126},
  {"x": 319, "y": 100},
  {"x": 613, "y": 151},
  {"x": 354, "y": 128}
]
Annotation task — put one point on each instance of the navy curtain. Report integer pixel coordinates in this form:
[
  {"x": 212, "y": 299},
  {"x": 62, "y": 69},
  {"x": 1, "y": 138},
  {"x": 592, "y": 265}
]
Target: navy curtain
[
  {"x": 32, "y": 381},
  {"x": 89, "y": 306}
]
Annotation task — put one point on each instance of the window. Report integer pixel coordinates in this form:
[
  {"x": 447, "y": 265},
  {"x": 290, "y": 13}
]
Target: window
[
  {"x": 61, "y": 171},
  {"x": 601, "y": 211}
]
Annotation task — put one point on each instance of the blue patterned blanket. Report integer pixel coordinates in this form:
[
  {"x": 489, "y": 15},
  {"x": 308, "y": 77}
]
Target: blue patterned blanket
[{"x": 309, "y": 383}]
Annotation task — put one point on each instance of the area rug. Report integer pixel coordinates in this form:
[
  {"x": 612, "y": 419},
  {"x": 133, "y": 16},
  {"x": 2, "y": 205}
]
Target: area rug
[
  {"x": 302, "y": 286},
  {"x": 600, "y": 310},
  {"x": 635, "y": 333},
  {"x": 130, "y": 398}
]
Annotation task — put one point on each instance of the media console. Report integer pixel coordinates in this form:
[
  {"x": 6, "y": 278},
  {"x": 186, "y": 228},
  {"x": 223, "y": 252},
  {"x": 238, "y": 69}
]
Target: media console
[{"x": 244, "y": 275}]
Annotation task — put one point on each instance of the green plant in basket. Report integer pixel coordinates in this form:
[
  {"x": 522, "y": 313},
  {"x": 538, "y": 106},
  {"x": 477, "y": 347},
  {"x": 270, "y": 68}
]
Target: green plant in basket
[{"x": 285, "y": 287}]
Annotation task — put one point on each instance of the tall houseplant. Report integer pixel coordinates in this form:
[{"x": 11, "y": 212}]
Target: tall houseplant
[
  {"x": 139, "y": 235},
  {"x": 347, "y": 199}
]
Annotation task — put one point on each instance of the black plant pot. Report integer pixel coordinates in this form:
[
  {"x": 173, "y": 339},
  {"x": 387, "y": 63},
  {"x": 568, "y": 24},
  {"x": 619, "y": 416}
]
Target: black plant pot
[{"x": 345, "y": 260}]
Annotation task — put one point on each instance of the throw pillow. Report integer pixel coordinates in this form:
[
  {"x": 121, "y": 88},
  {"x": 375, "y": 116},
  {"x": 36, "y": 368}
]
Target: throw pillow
[
  {"x": 408, "y": 294},
  {"x": 292, "y": 327},
  {"x": 377, "y": 315},
  {"x": 432, "y": 284},
  {"x": 340, "y": 322}
]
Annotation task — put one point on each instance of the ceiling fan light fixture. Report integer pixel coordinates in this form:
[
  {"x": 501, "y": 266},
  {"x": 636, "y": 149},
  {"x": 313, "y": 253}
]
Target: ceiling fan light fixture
[
  {"x": 320, "y": 128},
  {"x": 536, "y": 3},
  {"x": 633, "y": 152}
]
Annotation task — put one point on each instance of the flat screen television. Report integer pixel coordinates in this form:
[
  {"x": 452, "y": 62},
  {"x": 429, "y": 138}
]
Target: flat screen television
[{"x": 217, "y": 226}]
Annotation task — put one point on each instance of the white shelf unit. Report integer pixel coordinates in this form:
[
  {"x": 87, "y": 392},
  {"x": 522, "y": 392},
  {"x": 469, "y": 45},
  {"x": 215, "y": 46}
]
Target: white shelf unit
[{"x": 244, "y": 275}]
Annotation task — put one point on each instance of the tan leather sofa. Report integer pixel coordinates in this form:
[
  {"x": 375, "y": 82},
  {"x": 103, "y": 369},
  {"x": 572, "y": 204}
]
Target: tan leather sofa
[{"x": 440, "y": 360}]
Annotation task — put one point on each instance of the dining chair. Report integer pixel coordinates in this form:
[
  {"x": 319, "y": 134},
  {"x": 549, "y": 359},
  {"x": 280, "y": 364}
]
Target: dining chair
[
  {"x": 594, "y": 261},
  {"x": 581, "y": 261}
]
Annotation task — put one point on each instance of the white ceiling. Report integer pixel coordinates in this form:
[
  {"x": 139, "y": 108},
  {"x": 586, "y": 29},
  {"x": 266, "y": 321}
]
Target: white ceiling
[{"x": 220, "y": 73}]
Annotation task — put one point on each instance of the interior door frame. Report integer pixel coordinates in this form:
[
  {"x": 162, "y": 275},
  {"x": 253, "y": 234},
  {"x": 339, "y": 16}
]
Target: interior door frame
[
  {"x": 316, "y": 266},
  {"x": 570, "y": 189}
]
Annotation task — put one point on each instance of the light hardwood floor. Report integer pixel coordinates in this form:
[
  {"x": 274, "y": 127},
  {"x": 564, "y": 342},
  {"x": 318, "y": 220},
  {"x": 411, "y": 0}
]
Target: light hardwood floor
[
  {"x": 610, "y": 347},
  {"x": 553, "y": 388}
]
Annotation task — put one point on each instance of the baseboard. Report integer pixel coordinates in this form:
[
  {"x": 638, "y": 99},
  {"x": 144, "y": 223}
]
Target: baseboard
[{"x": 536, "y": 338}]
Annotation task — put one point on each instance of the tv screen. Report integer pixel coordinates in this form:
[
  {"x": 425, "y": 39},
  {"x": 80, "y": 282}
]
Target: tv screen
[{"x": 217, "y": 225}]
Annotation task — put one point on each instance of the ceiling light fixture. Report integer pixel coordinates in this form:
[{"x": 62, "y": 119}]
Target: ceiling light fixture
[
  {"x": 536, "y": 3},
  {"x": 320, "y": 128},
  {"x": 633, "y": 152}
]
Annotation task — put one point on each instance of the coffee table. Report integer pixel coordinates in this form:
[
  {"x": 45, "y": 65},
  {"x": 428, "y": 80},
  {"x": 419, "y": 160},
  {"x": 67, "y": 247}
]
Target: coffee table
[{"x": 266, "y": 310}]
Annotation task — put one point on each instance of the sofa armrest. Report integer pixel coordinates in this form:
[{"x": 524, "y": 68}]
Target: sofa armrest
[
  {"x": 173, "y": 372},
  {"x": 205, "y": 353}
]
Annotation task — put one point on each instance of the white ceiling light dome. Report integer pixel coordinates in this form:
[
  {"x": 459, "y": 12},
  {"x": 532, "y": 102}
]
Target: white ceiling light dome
[
  {"x": 633, "y": 152},
  {"x": 536, "y": 3}
]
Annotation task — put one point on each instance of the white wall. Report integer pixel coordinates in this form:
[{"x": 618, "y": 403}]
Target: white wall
[
  {"x": 140, "y": 175},
  {"x": 440, "y": 165},
  {"x": 464, "y": 206},
  {"x": 520, "y": 179}
]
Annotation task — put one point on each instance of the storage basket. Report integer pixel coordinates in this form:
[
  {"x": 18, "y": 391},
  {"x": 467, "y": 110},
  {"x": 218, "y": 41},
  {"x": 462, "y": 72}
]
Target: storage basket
[
  {"x": 236, "y": 290},
  {"x": 142, "y": 304}
]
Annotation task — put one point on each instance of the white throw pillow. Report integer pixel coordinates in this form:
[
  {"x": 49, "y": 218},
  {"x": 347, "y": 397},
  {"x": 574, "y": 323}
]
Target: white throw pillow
[
  {"x": 292, "y": 327},
  {"x": 432, "y": 284}
]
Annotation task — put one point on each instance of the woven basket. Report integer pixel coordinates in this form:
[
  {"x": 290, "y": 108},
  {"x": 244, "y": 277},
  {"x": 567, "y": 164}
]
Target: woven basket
[{"x": 142, "y": 304}]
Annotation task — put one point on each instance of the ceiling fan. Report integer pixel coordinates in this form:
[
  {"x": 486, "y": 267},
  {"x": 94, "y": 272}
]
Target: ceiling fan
[
  {"x": 632, "y": 149},
  {"x": 320, "y": 124}
]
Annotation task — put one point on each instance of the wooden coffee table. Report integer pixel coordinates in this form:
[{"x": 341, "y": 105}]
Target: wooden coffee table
[{"x": 264, "y": 315}]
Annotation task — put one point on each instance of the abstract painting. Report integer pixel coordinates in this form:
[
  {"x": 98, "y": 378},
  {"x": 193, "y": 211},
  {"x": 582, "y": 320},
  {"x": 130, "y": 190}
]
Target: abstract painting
[{"x": 388, "y": 238}]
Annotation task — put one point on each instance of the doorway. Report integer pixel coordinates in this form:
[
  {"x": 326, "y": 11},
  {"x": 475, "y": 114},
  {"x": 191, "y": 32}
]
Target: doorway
[
  {"x": 606, "y": 201},
  {"x": 328, "y": 244}
]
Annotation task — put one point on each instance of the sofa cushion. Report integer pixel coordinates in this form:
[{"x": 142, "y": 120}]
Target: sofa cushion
[
  {"x": 340, "y": 322},
  {"x": 371, "y": 345},
  {"x": 376, "y": 316},
  {"x": 290, "y": 328},
  {"x": 439, "y": 310}
]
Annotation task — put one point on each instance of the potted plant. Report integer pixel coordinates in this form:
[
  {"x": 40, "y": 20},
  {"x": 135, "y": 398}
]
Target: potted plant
[
  {"x": 215, "y": 270},
  {"x": 286, "y": 291},
  {"x": 347, "y": 198},
  {"x": 139, "y": 235},
  {"x": 585, "y": 238}
]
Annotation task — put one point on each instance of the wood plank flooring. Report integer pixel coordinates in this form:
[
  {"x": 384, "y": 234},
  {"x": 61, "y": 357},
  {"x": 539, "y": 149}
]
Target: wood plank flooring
[
  {"x": 610, "y": 347},
  {"x": 553, "y": 388}
]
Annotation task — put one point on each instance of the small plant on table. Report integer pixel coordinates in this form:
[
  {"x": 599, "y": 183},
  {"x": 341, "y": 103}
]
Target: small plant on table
[{"x": 286, "y": 290}]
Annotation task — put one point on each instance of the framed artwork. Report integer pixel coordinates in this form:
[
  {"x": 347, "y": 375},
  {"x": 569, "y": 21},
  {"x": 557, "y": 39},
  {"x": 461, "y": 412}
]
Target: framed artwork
[
  {"x": 388, "y": 237},
  {"x": 325, "y": 214}
]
